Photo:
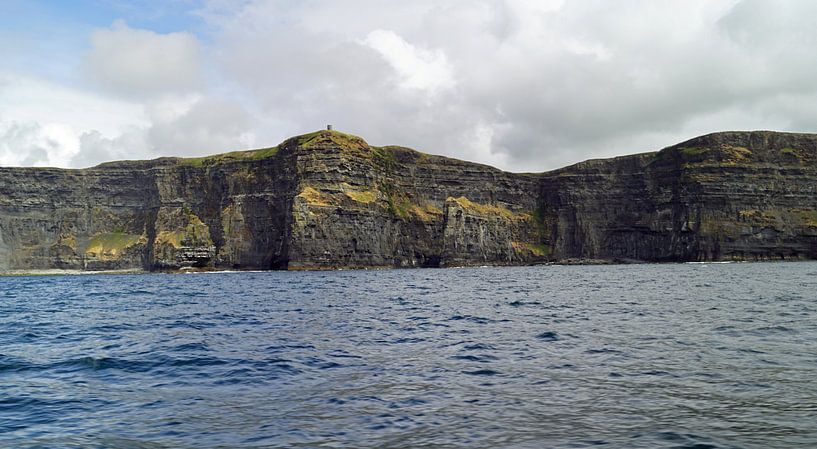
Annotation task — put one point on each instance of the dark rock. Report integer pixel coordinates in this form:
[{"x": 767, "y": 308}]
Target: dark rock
[{"x": 328, "y": 200}]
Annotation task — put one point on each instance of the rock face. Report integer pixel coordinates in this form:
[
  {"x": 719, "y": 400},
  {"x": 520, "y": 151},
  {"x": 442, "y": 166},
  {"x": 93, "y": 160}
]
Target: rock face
[
  {"x": 329, "y": 200},
  {"x": 723, "y": 196}
]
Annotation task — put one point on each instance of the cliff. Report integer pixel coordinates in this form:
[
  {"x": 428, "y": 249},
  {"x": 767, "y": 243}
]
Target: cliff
[
  {"x": 330, "y": 200},
  {"x": 723, "y": 196}
]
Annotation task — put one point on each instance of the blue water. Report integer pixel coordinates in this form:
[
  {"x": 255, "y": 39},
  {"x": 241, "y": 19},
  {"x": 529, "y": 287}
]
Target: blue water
[{"x": 638, "y": 356}]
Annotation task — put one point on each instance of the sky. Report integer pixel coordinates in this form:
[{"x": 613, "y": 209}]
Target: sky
[{"x": 524, "y": 85}]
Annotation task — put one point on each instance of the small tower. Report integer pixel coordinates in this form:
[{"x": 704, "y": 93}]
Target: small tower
[{"x": 329, "y": 127}]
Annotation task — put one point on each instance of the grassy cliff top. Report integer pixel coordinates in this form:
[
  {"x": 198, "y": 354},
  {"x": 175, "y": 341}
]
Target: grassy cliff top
[
  {"x": 313, "y": 140},
  {"x": 731, "y": 147},
  {"x": 745, "y": 147},
  {"x": 324, "y": 140}
]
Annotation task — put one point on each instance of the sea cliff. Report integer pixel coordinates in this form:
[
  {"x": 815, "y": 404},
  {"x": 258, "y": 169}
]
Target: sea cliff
[{"x": 330, "y": 200}]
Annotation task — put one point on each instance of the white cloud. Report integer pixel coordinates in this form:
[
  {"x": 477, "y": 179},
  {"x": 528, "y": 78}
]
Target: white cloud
[
  {"x": 29, "y": 144},
  {"x": 416, "y": 68},
  {"x": 41, "y": 122},
  {"x": 95, "y": 148},
  {"x": 209, "y": 125},
  {"x": 525, "y": 84},
  {"x": 139, "y": 63},
  {"x": 26, "y": 99},
  {"x": 190, "y": 126},
  {"x": 145, "y": 102}
]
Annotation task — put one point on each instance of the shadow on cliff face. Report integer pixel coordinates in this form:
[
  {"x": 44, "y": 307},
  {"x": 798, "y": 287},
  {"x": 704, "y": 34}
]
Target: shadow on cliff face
[{"x": 330, "y": 200}]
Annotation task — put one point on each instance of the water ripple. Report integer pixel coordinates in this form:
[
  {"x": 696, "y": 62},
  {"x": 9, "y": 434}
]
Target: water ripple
[{"x": 648, "y": 356}]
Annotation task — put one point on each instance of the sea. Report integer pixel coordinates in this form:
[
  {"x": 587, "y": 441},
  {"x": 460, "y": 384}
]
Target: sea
[{"x": 618, "y": 356}]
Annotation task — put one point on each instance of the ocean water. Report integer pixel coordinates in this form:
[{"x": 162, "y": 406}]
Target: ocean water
[{"x": 632, "y": 356}]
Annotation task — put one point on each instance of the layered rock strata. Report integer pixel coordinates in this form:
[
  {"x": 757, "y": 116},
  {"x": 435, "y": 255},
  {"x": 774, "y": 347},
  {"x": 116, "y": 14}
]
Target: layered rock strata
[
  {"x": 329, "y": 200},
  {"x": 723, "y": 196}
]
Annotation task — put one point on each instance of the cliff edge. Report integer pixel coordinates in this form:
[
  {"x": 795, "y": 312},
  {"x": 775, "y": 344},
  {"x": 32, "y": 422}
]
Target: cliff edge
[{"x": 330, "y": 200}]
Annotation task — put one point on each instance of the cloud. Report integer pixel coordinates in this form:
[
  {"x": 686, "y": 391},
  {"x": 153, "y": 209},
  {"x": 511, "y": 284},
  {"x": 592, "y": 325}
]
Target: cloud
[
  {"x": 29, "y": 99},
  {"x": 139, "y": 63},
  {"x": 147, "y": 102},
  {"x": 95, "y": 148},
  {"x": 41, "y": 122},
  {"x": 207, "y": 126},
  {"x": 29, "y": 144},
  {"x": 191, "y": 126},
  {"x": 524, "y": 84},
  {"x": 416, "y": 68}
]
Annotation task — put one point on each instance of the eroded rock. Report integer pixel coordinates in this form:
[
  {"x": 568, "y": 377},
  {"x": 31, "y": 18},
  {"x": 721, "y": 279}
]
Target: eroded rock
[{"x": 329, "y": 200}]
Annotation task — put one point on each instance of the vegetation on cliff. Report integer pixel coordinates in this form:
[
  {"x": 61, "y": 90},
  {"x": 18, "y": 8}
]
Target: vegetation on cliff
[
  {"x": 329, "y": 199},
  {"x": 109, "y": 245}
]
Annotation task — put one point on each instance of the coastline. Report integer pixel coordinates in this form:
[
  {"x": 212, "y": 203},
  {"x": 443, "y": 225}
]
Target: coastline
[
  {"x": 66, "y": 272},
  {"x": 188, "y": 270}
]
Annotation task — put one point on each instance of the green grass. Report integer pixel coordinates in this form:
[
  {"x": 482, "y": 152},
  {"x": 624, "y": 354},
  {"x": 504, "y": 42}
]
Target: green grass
[
  {"x": 488, "y": 209},
  {"x": 314, "y": 197},
  {"x": 796, "y": 217},
  {"x": 426, "y": 212},
  {"x": 385, "y": 157},
  {"x": 693, "y": 151},
  {"x": 399, "y": 205},
  {"x": 111, "y": 243},
  {"x": 365, "y": 196},
  {"x": 539, "y": 249},
  {"x": 247, "y": 155},
  {"x": 536, "y": 249},
  {"x": 194, "y": 233},
  {"x": 799, "y": 155},
  {"x": 172, "y": 238},
  {"x": 806, "y": 217},
  {"x": 723, "y": 154},
  {"x": 312, "y": 140},
  {"x": 322, "y": 138}
]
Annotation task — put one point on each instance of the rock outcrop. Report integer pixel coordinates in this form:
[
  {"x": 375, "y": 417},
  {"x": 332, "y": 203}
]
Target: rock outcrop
[
  {"x": 329, "y": 200},
  {"x": 723, "y": 196}
]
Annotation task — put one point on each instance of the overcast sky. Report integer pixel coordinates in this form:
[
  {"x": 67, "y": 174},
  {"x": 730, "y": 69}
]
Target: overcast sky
[{"x": 522, "y": 85}]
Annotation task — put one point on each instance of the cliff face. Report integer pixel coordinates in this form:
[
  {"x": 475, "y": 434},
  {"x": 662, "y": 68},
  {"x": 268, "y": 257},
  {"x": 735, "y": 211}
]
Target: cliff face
[
  {"x": 723, "y": 196},
  {"x": 229, "y": 210},
  {"x": 329, "y": 200},
  {"x": 359, "y": 206}
]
